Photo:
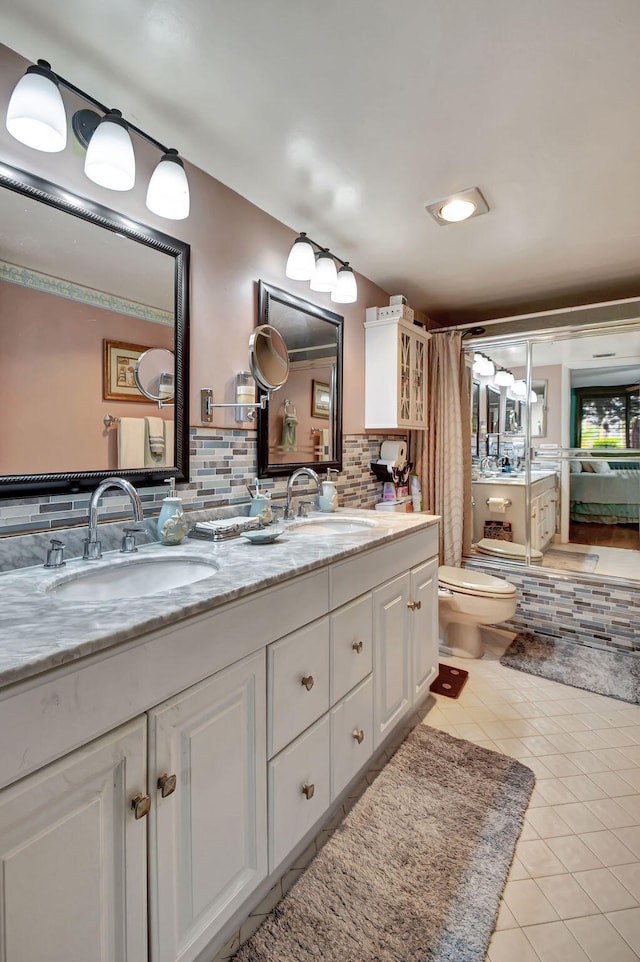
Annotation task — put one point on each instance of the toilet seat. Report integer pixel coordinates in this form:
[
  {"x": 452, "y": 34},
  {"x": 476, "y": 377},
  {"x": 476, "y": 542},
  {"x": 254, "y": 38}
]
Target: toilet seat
[
  {"x": 466, "y": 582},
  {"x": 506, "y": 549}
]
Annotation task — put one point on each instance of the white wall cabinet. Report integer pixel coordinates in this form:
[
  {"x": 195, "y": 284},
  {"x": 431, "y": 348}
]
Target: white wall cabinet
[
  {"x": 208, "y": 840},
  {"x": 73, "y": 856},
  {"x": 258, "y": 716},
  {"x": 395, "y": 374}
]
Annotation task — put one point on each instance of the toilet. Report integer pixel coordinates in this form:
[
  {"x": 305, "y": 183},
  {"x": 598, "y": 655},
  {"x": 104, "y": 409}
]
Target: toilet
[
  {"x": 467, "y": 600},
  {"x": 509, "y": 550}
]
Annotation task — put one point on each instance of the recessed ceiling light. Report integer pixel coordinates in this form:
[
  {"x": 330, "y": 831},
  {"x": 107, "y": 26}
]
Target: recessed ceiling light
[{"x": 458, "y": 207}]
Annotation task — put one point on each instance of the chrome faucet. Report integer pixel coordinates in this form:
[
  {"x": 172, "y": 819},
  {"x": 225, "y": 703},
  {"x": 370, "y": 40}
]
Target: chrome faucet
[
  {"x": 92, "y": 549},
  {"x": 310, "y": 473}
]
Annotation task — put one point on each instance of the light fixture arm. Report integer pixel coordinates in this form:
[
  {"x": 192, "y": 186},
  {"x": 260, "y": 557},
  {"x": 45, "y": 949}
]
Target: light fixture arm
[{"x": 320, "y": 249}]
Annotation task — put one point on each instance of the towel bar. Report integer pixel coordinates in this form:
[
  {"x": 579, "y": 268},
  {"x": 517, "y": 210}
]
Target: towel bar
[{"x": 108, "y": 420}]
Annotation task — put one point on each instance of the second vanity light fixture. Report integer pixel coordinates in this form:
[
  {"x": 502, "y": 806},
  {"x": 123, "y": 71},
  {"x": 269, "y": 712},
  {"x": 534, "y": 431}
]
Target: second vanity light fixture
[
  {"x": 36, "y": 117},
  {"x": 309, "y": 261}
]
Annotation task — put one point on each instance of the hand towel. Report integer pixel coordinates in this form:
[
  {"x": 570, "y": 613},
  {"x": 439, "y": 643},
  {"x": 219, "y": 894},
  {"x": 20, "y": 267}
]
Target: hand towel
[
  {"x": 154, "y": 441},
  {"x": 131, "y": 443}
]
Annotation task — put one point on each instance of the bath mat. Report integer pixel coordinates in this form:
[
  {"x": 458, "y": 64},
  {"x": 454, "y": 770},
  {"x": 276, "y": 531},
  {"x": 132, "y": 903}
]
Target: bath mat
[
  {"x": 415, "y": 870},
  {"x": 450, "y": 681},
  {"x": 570, "y": 560},
  {"x": 604, "y": 672}
]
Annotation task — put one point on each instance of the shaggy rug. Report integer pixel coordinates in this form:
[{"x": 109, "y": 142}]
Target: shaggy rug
[
  {"x": 570, "y": 560},
  {"x": 603, "y": 672},
  {"x": 415, "y": 871}
]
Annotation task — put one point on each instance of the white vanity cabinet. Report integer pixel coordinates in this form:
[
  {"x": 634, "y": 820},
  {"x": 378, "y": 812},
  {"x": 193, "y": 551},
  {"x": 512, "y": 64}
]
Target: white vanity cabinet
[
  {"x": 73, "y": 855},
  {"x": 233, "y": 731},
  {"x": 395, "y": 374},
  {"x": 208, "y": 845}
]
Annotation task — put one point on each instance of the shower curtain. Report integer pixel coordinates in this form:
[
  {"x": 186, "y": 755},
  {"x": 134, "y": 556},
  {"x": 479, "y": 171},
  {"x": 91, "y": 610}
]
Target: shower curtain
[{"x": 442, "y": 453}]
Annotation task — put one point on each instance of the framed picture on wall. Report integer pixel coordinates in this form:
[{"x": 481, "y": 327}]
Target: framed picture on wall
[
  {"x": 118, "y": 362},
  {"x": 320, "y": 399}
]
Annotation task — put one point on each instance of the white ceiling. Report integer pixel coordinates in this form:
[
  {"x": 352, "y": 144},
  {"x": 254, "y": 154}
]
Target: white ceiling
[{"x": 344, "y": 118}]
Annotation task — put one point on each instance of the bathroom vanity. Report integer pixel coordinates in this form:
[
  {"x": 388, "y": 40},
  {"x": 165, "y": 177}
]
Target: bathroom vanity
[
  {"x": 544, "y": 500},
  {"x": 164, "y": 758}
]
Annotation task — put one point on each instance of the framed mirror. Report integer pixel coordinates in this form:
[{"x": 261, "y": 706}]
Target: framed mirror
[
  {"x": 512, "y": 416},
  {"x": 539, "y": 409},
  {"x": 493, "y": 410},
  {"x": 475, "y": 418},
  {"x": 302, "y": 425},
  {"x": 84, "y": 293}
]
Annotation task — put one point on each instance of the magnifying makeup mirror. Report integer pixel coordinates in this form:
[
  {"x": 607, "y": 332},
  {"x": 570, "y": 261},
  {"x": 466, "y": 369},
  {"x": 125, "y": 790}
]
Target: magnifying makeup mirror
[
  {"x": 268, "y": 357},
  {"x": 154, "y": 374}
]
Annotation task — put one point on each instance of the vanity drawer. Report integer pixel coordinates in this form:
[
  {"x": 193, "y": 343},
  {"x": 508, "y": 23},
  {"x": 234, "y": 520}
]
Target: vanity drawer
[
  {"x": 299, "y": 790},
  {"x": 351, "y": 735},
  {"x": 298, "y": 683},
  {"x": 351, "y": 645}
]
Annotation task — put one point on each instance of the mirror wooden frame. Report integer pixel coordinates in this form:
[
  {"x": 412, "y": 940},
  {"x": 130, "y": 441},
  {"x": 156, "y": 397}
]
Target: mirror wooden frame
[
  {"x": 267, "y": 295},
  {"x": 48, "y": 193}
]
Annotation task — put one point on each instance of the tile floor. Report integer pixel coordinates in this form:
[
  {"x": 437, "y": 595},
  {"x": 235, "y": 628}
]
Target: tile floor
[{"x": 573, "y": 893}]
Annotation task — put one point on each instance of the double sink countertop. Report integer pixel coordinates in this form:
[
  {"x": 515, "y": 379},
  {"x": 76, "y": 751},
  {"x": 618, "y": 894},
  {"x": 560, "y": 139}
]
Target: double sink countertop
[{"x": 40, "y": 630}]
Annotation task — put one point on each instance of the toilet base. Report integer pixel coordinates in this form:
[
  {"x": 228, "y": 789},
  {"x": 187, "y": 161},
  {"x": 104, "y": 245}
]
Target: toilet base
[{"x": 462, "y": 639}]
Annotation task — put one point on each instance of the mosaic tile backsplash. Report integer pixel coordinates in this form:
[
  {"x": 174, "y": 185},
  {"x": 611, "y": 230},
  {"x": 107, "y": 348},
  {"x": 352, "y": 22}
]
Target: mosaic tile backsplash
[
  {"x": 222, "y": 462},
  {"x": 554, "y": 605}
]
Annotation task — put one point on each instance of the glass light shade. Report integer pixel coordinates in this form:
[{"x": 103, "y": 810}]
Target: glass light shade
[
  {"x": 533, "y": 397},
  {"x": 519, "y": 389},
  {"x": 36, "y": 115},
  {"x": 325, "y": 277},
  {"x": 301, "y": 263},
  {"x": 478, "y": 361},
  {"x": 168, "y": 191},
  {"x": 110, "y": 161},
  {"x": 457, "y": 209},
  {"x": 504, "y": 378},
  {"x": 346, "y": 290}
]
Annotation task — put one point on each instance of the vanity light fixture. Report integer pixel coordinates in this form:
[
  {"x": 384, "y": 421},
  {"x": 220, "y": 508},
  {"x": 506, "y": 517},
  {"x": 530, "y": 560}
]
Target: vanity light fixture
[
  {"x": 504, "y": 378},
  {"x": 36, "y": 117},
  {"x": 308, "y": 261},
  {"x": 458, "y": 207},
  {"x": 483, "y": 365}
]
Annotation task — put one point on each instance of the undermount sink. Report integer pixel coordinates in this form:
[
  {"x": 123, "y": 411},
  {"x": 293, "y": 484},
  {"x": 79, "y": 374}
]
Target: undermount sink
[
  {"x": 329, "y": 526},
  {"x": 135, "y": 579}
]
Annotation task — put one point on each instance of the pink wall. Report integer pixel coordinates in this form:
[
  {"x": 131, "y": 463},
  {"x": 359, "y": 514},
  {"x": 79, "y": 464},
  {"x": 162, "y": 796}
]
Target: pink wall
[
  {"x": 233, "y": 245},
  {"x": 36, "y": 359}
]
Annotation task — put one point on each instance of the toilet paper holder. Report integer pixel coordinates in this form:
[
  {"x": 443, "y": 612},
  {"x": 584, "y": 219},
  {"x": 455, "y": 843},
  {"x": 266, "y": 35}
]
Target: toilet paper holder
[{"x": 507, "y": 502}]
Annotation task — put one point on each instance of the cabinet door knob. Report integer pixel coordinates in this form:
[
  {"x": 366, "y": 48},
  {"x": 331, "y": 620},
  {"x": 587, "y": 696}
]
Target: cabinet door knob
[
  {"x": 359, "y": 735},
  {"x": 167, "y": 784},
  {"x": 414, "y": 605},
  {"x": 141, "y": 805},
  {"x": 357, "y": 646},
  {"x": 307, "y": 682},
  {"x": 308, "y": 791}
]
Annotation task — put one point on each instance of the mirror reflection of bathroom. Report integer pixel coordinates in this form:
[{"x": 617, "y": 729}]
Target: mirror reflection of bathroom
[{"x": 580, "y": 418}]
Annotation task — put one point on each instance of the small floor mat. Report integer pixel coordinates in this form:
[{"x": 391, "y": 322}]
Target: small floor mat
[
  {"x": 450, "y": 681},
  {"x": 570, "y": 560}
]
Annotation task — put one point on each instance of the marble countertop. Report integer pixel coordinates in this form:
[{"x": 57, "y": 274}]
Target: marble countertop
[
  {"x": 510, "y": 478},
  {"x": 39, "y": 631}
]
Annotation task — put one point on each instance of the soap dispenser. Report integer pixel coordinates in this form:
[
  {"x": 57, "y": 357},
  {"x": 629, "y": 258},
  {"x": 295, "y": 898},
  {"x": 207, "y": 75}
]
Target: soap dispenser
[
  {"x": 172, "y": 524},
  {"x": 329, "y": 498}
]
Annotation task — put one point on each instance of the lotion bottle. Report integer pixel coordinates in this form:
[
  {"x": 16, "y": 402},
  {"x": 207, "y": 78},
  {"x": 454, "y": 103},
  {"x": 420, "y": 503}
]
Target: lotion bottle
[{"x": 172, "y": 524}]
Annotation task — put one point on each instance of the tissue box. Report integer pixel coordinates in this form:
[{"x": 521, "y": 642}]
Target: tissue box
[{"x": 397, "y": 299}]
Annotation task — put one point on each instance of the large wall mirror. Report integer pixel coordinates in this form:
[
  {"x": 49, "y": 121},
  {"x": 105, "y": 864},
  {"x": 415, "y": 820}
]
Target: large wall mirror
[
  {"x": 84, "y": 291},
  {"x": 565, "y": 491},
  {"x": 302, "y": 423}
]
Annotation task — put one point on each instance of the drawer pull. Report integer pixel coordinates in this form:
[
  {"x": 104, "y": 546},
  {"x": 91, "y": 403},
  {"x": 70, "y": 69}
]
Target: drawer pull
[
  {"x": 359, "y": 735},
  {"x": 308, "y": 791},
  {"x": 141, "y": 805},
  {"x": 414, "y": 605},
  {"x": 357, "y": 646},
  {"x": 307, "y": 681},
  {"x": 167, "y": 784}
]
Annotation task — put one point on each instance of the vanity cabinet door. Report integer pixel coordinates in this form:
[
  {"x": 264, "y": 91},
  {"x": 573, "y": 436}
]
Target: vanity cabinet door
[
  {"x": 73, "y": 856},
  {"x": 391, "y": 655},
  {"x": 351, "y": 735},
  {"x": 208, "y": 843},
  {"x": 424, "y": 628}
]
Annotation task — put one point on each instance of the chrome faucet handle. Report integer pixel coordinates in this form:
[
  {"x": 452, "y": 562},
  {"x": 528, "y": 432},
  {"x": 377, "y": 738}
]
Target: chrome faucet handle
[
  {"x": 278, "y": 507},
  {"x": 302, "y": 508},
  {"x": 55, "y": 555},
  {"x": 129, "y": 540}
]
